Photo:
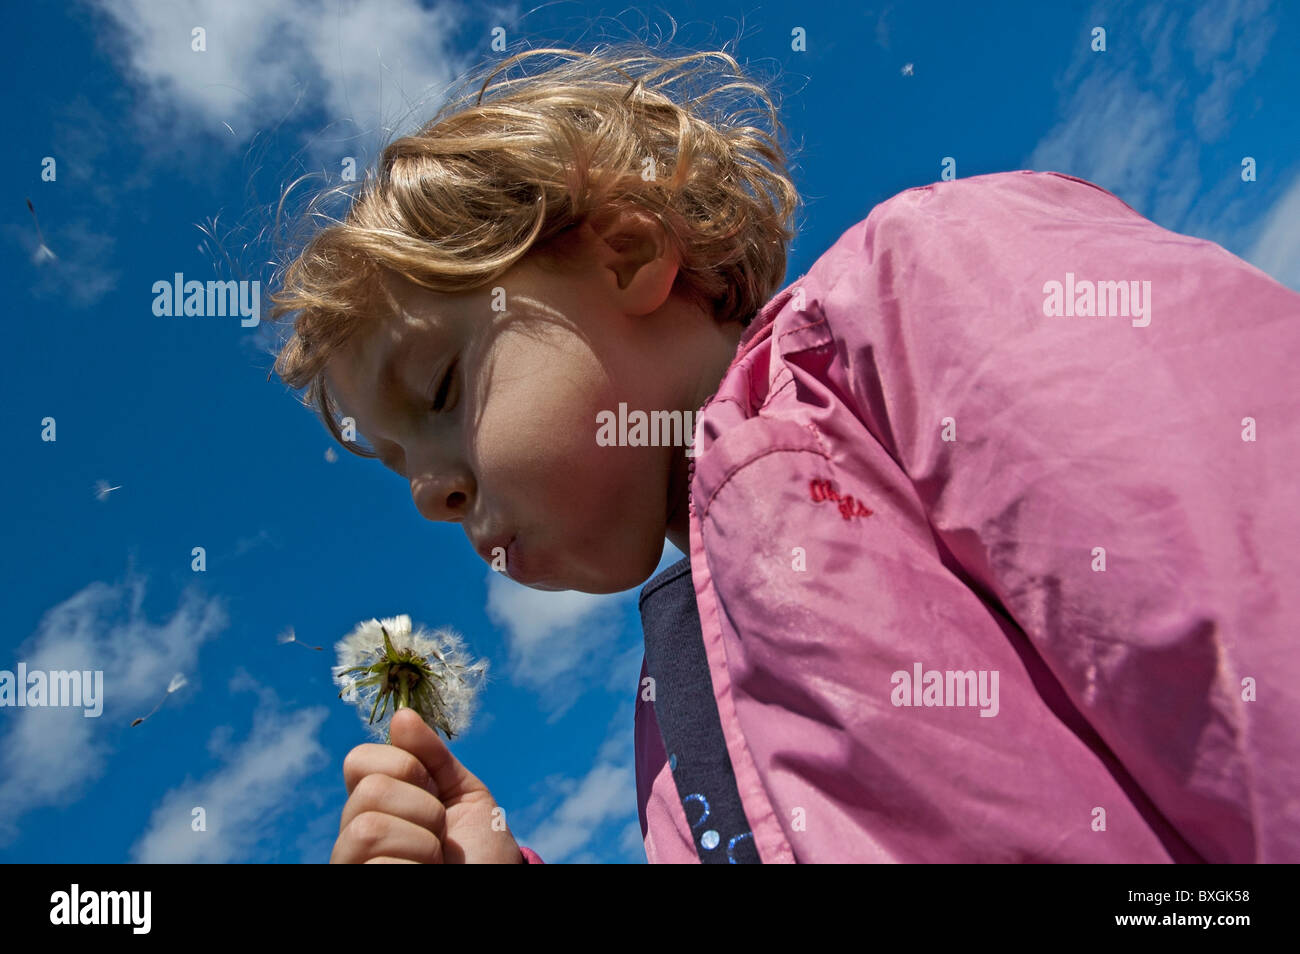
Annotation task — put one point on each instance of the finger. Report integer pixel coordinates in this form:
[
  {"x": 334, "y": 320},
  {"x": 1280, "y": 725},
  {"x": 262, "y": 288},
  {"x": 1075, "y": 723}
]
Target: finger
[
  {"x": 375, "y": 835},
  {"x": 380, "y": 793},
  {"x": 372, "y": 758},
  {"x": 451, "y": 779}
]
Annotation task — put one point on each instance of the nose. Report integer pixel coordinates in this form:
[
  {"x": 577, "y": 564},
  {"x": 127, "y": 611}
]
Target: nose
[{"x": 441, "y": 497}]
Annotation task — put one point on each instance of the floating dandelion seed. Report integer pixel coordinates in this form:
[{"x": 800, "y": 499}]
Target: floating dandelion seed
[
  {"x": 383, "y": 661},
  {"x": 43, "y": 253},
  {"x": 907, "y": 70},
  {"x": 331, "y": 455},
  {"x": 289, "y": 636},
  {"x": 102, "y": 490},
  {"x": 178, "y": 682}
]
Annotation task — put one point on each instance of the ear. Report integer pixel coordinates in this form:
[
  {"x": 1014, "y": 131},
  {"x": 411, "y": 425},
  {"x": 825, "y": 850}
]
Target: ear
[{"x": 637, "y": 264}]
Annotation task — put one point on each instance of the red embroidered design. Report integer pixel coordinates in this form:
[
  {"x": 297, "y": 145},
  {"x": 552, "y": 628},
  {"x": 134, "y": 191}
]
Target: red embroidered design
[{"x": 824, "y": 490}]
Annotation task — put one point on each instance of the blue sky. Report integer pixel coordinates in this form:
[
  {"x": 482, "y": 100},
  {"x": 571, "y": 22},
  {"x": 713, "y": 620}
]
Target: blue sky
[{"x": 153, "y": 141}]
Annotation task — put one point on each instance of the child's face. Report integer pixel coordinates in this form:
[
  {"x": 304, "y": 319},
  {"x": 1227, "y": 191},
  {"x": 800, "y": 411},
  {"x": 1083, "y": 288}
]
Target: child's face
[{"x": 512, "y": 455}]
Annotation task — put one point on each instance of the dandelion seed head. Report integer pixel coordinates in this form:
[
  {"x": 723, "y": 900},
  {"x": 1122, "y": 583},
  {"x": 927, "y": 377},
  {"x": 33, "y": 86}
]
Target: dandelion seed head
[
  {"x": 444, "y": 680},
  {"x": 178, "y": 682}
]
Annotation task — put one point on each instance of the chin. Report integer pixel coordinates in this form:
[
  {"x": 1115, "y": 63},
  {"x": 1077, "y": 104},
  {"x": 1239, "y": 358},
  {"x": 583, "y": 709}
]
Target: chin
[
  {"x": 597, "y": 588},
  {"x": 595, "y": 580},
  {"x": 547, "y": 587},
  {"x": 608, "y": 583}
]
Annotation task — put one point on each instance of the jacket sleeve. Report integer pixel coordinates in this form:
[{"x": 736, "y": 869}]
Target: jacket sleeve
[
  {"x": 819, "y": 607},
  {"x": 1119, "y": 486}
]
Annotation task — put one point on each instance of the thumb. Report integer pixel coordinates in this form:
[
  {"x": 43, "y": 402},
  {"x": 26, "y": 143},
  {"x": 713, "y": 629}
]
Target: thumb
[{"x": 451, "y": 779}]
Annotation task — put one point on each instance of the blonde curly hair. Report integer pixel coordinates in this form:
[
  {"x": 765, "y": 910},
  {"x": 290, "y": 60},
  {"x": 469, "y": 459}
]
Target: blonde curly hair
[{"x": 501, "y": 173}]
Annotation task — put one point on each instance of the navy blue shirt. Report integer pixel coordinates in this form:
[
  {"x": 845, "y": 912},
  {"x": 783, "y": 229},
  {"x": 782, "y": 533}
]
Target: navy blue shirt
[{"x": 688, "y": 719}]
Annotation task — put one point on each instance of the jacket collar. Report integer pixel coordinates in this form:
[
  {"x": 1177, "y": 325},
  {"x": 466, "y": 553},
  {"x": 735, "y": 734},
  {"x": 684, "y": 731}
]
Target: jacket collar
[{"x": 758, "y": 332}]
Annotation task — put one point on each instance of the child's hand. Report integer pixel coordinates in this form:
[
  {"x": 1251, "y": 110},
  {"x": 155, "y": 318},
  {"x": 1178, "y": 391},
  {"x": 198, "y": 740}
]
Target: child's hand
[{"x": 412, "y": 801}]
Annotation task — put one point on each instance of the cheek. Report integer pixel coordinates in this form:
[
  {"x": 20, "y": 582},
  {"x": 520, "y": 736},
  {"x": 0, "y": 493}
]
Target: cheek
[
  {"x": 536, "y": 430},
  {"x": 338, "y": 383},
  {"x": 536, "y": 443}
]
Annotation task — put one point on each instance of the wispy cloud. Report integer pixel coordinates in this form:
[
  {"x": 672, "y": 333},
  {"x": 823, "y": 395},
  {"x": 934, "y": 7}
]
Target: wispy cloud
[
  {"x": 85, "y": 142},
  {"x": 604, "y": 794},
  {"x": 560, "y": 644},
  {"x": 1135, "y": 119},
  {"x": 81, "y": 274},
  {"x": 593, "y": 808},
  {"x": 882, "y": 26},
  {"x": 244, "y": 544},
  {"x": 245, "y": 800},
  {"x": 1277, "y": 249},
  {"x": 563, "y": 644},
  {"x": 53, "y": 755},
  {"x": 1228, "y": 41}
]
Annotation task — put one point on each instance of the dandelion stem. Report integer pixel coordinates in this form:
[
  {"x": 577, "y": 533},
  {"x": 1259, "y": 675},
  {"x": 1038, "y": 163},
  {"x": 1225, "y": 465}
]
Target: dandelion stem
[{"x": 404, "y": 691}]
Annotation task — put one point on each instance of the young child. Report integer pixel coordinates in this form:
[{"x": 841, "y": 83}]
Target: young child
[{"x": 990, "y": 518}]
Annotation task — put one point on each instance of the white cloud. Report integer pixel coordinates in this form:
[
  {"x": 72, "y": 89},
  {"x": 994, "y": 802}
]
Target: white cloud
[
  {"x": 1123, "y": 117},
  {"x": 602, "y": 795},
  {"x": 243, "y": 799},
  {"x": 339, "y": 77},
  {"x": 589, "y": 807},
  {"x": 562, "y": 644},
  {"x": 535, "y": 617},
  {"x": 366, "y": 64},
  {"x": 353, "y": 69},
  {"x": 54, "y": 754},
  {"x": 1228, "y": 40}
]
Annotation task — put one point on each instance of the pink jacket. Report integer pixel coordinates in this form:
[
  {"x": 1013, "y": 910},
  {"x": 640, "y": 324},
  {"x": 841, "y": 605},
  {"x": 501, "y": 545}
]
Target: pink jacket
[{"x": 995, "y": 562}]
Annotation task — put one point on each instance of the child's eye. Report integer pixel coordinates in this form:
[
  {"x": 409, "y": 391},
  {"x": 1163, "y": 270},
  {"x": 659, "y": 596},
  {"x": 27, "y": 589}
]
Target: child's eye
[{"x": 443, "y": 388}]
